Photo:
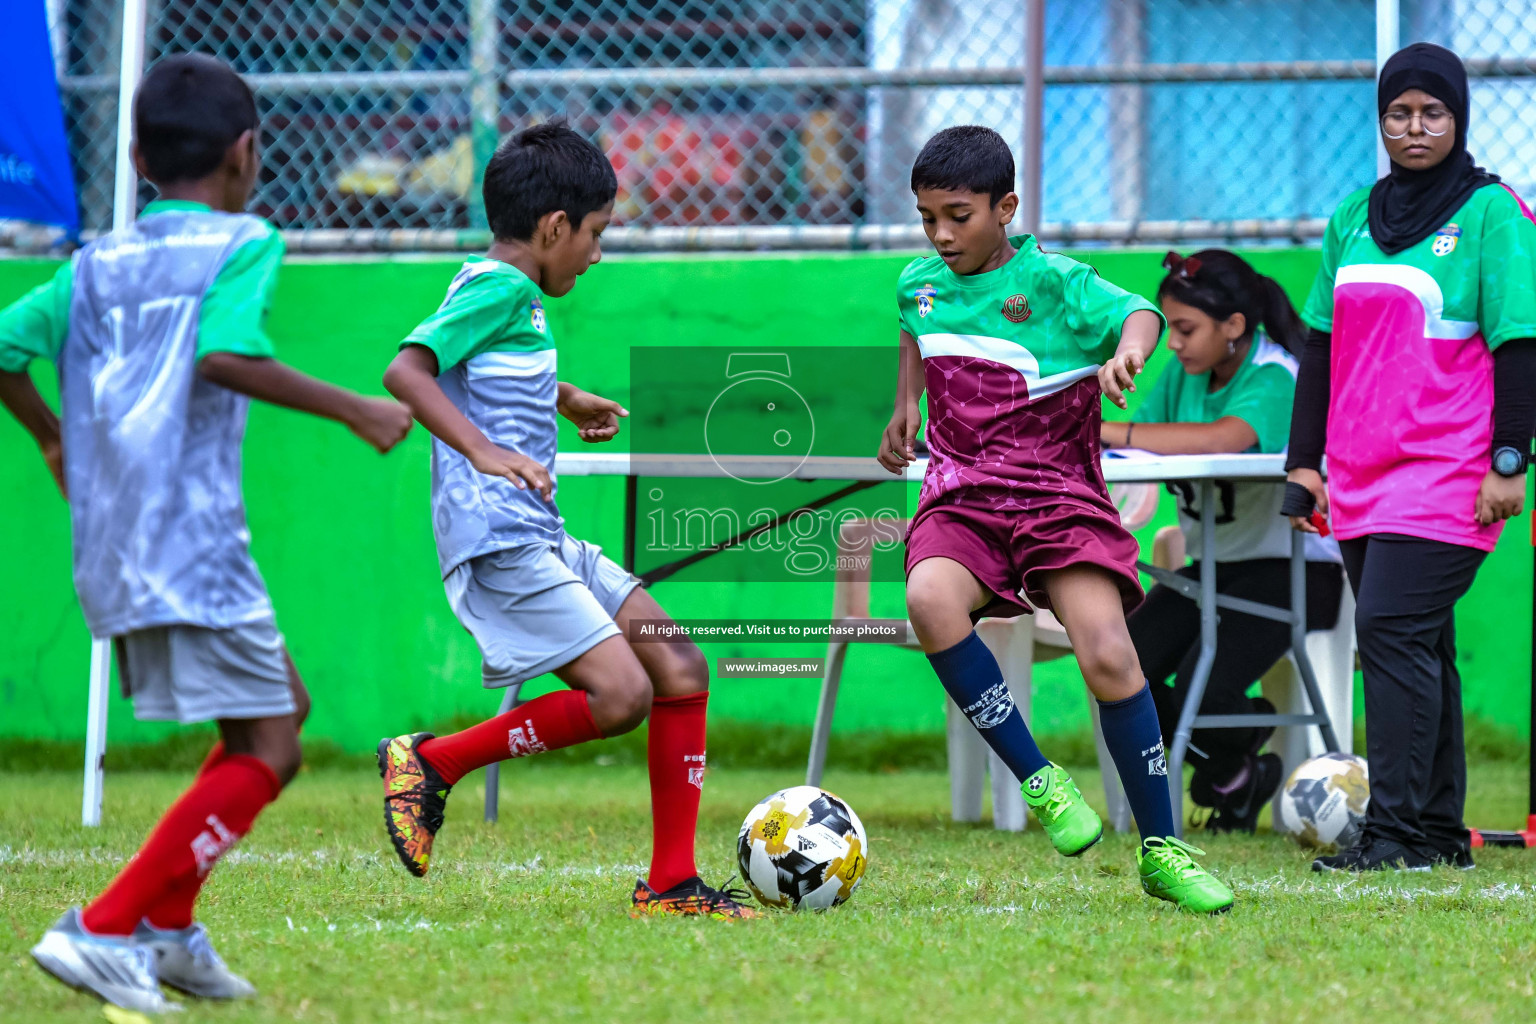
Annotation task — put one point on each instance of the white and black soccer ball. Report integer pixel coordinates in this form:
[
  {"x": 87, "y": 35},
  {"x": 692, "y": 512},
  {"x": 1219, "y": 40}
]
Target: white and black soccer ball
[
  {"x": 1322, "y": 804},
  {"x": 802, "y": 847}
]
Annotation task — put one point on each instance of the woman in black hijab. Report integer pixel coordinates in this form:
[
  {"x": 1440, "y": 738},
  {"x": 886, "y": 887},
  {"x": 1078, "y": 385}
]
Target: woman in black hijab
[
  {"x": 1417, "y": 195},
  {"x": 1417, "y": 383}
]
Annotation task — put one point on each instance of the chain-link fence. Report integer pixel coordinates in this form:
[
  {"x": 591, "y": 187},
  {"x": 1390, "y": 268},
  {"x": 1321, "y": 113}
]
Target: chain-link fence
[{"x": 765, "y": 123}]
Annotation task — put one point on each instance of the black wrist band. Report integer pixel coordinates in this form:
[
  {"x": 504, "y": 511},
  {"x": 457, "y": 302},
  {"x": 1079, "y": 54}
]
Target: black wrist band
[
  {"x": 1128, "y": 427},
  {"x": 1298, "y": 501}
]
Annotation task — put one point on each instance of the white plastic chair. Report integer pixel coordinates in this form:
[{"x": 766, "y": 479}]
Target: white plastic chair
[{"x": 1011, "y": 641}]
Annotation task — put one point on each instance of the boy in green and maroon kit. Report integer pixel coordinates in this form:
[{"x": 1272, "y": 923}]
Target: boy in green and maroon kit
[{"x": 1014, "y": 347}]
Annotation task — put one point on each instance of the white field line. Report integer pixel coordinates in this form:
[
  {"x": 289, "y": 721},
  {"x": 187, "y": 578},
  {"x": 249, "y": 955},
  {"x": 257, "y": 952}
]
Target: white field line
[
  {"x": 1342, "y": 890},
  {"x": 1345, "y": 891},
  {"x": 1351, "y": 890},
  {"x": 367, "y": 926}
]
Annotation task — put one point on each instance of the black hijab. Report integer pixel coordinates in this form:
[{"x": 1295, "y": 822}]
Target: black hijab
[{"x": 1408, "y": 206}]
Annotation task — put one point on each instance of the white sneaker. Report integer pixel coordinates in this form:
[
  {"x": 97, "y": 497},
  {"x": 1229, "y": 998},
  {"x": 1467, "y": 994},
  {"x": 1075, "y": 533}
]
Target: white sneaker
[
  {"x": 113, "y": 967},
  {"x": 186, "y": 960}
]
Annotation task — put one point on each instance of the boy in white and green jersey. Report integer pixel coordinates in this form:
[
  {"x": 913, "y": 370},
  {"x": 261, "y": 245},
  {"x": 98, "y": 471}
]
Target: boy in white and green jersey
[
  {"x": 496, "y": 361},
  {"x": 158, "y": 333},
  {"x": 480, "y": 374},
  {"x": 1014, "y": 347}
]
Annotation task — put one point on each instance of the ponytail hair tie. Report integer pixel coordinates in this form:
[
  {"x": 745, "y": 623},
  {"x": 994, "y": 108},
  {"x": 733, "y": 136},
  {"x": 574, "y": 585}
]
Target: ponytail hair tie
[{"x": 1180, "y": 266}]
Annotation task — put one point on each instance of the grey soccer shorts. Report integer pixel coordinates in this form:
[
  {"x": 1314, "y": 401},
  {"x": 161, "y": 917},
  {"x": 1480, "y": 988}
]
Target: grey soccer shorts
[
  {"x": 193, "y": 674},
  {"x": 537, "y": 607}
]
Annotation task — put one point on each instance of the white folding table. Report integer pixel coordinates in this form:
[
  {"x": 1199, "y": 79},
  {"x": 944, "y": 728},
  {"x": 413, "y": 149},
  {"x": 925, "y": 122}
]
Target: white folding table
[
  {"x": 864, "y": 472},
  {"x": 1204, "y": 470}
]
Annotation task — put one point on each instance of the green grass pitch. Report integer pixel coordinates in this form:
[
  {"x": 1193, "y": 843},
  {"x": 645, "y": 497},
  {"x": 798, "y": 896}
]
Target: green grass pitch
[{"x": 527, "y": 920}]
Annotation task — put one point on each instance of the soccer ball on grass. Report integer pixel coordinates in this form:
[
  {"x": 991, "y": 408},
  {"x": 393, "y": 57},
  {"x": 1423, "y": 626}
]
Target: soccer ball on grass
[
  {"x": 1322, "y": 804},
  {"x": 802, "y": 847}
]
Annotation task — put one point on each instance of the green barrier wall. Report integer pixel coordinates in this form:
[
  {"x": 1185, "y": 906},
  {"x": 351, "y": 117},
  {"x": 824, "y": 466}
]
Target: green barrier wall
[{"x": 343, "y": 539}]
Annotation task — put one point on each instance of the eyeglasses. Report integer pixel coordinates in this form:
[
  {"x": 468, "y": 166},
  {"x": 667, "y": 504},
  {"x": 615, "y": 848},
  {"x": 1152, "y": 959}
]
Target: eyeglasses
[{"x": 1434, "y": 121}]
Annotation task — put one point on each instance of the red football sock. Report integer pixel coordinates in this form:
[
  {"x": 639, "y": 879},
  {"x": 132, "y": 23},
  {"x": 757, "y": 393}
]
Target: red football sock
[
  {"x": 198, "y": 829},
  {"x": 555, "y": 720},
  {"x": 675, "y": 754},
  {"x": 174, "y": 910},
  {"x": 175, "y": 907},
  {"x": 214, "y": 757}
]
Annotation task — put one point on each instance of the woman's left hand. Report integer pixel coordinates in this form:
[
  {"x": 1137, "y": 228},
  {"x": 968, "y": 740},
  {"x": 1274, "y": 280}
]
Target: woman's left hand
[{"x": 1499, "y": 498}]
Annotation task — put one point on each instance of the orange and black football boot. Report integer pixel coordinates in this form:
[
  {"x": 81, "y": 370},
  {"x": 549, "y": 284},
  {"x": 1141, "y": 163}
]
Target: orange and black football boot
[
  {"x": 692, "y": 898},
  {"x": 414, "y": 797}
]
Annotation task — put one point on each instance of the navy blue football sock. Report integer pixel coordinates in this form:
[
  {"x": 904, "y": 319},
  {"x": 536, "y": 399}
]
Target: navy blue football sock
[
  {"x": 970, "y": 675},
  {"x": 1136, "y": 743}
]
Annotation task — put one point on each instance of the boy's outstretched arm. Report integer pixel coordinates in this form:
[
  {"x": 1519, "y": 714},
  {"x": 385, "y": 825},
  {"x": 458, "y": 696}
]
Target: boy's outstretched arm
[
  {"x": 596, "y": 418},
  {"x": 19, "y": 395},
  {"x": 412, "y": 378},
  {"x": 1138, "y": 337},
  {"x": 896, "y": 444},
  {"x": 378, "y": 421}
]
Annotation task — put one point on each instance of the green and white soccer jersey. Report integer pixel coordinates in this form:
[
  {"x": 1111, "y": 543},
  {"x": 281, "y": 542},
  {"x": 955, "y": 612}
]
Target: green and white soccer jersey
[
  {"x": 1261, "y": 393},
  {"x": 1410, "y": 411},
  {"x": 496, "y": 363},
  {"x": 152, "y": 450},
  {"x": 231, "y": 317}
]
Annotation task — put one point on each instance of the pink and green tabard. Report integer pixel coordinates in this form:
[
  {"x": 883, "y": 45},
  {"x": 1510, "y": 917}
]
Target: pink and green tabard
[{"x": 1410, "y": 416}]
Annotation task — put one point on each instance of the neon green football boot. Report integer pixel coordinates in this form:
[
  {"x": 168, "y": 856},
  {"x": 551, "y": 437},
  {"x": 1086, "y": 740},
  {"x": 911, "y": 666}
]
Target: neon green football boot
[
  {"x": 1072, "y": 825},
  {"x": 1169, "y": 872}
]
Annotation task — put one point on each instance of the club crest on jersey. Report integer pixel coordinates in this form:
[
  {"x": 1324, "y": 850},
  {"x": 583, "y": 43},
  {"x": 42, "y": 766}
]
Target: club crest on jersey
[
  {"x": 925, "y": 296},
  {"x": 1016, "y": 308},
  {"x": 538, "y": 315},
  {"x": 1445, "y": 240}
]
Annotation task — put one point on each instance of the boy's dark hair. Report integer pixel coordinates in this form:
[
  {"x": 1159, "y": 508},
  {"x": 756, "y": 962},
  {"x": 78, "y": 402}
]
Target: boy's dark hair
[
  {"x": 967, "y": 157},
  {"x": 540, "y": 170},
  {"x": 1219, "y": 283},
  {"x": 190, "y": 108}
]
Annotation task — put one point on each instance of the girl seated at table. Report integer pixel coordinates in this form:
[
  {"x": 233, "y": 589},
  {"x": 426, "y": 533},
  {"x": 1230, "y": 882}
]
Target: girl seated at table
[{"x": 1234, "y": 333}]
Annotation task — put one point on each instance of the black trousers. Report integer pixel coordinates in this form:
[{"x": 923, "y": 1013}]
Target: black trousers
[
  {"x": 1406, "y": 591},
  {"x": 1166, "y": 632}
]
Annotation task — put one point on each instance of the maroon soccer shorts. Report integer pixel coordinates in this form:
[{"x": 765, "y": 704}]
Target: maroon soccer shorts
[{"x": 1012, "y": 551}]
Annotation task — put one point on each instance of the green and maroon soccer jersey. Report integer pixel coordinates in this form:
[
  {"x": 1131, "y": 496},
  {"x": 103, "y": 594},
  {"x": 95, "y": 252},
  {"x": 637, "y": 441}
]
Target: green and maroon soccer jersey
[
  {"x": 1410, "y": 418},
  {"x": 1014, "y": 491},
  {"x": 994, "y": 346}
]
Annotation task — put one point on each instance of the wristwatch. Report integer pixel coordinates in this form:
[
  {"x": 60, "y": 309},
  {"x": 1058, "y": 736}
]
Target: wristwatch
[{"x": 1509, "y": 461}]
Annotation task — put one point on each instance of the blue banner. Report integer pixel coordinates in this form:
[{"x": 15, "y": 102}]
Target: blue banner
[{"x": 36, "y": 182}]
